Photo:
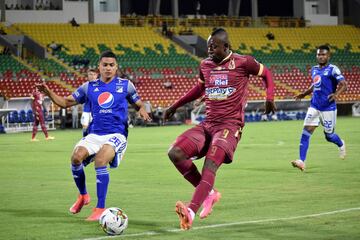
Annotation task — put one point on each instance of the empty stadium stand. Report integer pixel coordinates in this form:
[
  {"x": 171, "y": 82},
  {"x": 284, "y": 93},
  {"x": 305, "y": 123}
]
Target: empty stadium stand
[{"x": 153, "y": 59}]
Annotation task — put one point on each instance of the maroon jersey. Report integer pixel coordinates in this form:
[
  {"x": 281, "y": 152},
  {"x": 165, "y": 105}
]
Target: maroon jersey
[
  {"x": 226, "y": 87},
  {"x": 38, "y": 99}
]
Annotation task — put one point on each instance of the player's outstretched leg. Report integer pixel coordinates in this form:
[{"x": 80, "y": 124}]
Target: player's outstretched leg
[
  {"x": 185, "y": 215},
  {"x": 304, "y": 146},
  {"x": 79, "y": 178},
  {"x": 213, "y": 197}
]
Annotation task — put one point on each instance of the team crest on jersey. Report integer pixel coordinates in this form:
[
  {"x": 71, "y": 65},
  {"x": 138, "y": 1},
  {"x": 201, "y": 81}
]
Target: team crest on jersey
[
  {"x": 317, "y": 80},
  {"x": 119, "y": 89},
  {"x": 105, "y": 100}
]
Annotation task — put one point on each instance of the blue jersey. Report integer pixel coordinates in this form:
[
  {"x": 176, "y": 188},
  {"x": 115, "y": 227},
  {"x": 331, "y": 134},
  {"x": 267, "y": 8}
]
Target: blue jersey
[
  {"x": 109, "y": 104},
  {"x": 325, "y": 81},
  {"x": 87, "y": 106}
]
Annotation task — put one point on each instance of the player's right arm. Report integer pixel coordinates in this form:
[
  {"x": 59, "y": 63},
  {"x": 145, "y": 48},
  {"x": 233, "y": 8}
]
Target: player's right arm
[
  {"x": 196, "y": 92},
  {"x": 58, "y": 100},
  {"x": 304, "y": 94}
]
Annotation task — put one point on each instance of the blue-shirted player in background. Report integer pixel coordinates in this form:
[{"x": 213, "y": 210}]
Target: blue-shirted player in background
[
  {"x": 86, "y": 117},
  {"x": 109, "y": 96},
  {"x": 328, "y": 84}
]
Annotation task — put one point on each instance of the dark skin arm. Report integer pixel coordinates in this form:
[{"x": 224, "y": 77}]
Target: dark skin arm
[
  {"x": 194, "y": 93},
  {"x": 270, "y": 107},
  {"x": 304, "y": 94},
  {"x": 169, "y": 113},
  {"x": 342, "y": 87}
]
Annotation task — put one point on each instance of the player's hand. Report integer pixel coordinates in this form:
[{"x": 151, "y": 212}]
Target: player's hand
[
  {"x": 144, "y": 115},
  {"x": 42, "y": 87},
  {"x": 270, "y": 107},
  {"x": 169, "y": 113},
  {"x": 333, "y": 97},
  {"x": 299, "y": 97}
]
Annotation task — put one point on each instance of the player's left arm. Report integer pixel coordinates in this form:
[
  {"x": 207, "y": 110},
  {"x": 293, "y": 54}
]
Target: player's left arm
[
  {"x": 256, "y": 68},
  {"x": 342, "y": 85},
  {"x": 134, "y": 99}
]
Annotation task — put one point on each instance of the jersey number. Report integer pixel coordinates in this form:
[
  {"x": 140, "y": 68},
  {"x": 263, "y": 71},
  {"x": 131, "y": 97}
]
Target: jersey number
[
  {"x": 328, "y": 124},
  {"x": 225, "y": 133},
  {"x": 115, "y": 140}
]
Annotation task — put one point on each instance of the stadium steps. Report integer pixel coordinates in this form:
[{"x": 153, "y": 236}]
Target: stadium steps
[
  {"x": 27, "y": 65},
  {"x": 10, "y": 29},
  {"x": 64, "y": 85},
  {"x": 64, "y": 65},
  {"x": 257, "y": 90}
]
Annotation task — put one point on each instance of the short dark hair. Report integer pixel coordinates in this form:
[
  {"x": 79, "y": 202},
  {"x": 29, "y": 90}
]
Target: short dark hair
[
  {"x": 107, "y": 54},
  {"x": 217, "y": 30},
  {"x": 221, "y": 32},
  {"x": 324, "y": 47}
]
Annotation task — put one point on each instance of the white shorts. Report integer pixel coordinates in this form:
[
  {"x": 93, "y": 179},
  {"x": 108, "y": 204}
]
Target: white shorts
[
  {"x": 93, "y": 143},
  {"x": 327, "y": 119}
]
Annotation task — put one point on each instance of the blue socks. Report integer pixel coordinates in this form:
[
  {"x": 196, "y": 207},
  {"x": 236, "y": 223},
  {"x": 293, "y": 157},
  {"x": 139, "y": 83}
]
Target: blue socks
[
  {"x": 102, "y": 182},
  {"x": 334, "y": 138},
  {"x": 79, "y": 177},
  {"x": 304, "y": 144}
]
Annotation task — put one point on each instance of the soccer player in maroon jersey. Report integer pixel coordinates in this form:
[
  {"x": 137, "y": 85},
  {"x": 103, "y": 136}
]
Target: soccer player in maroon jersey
[
  {"x": 36, "y": 105},
  {"x": 224, "y": 78}
]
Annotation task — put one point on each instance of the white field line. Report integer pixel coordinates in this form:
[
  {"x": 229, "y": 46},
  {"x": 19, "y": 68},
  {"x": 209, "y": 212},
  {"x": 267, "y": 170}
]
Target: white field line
[{"x": 151, "y": 233}]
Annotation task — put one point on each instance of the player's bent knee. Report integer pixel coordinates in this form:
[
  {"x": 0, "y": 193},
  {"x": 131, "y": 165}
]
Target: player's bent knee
[
  {"x": 214, "y": 158},
  {"x": 329, "y": 136},
  {"x": 79, "y": 154},
  {"x": 77, "y": 158},
  {"x": 176, "y": 154}
]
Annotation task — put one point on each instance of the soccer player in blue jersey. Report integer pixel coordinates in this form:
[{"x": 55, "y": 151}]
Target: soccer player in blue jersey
[
  {"x": 86, "y": 114},
  {"x": 109, "y": 96},
  {"x": 328, "y": 84}
]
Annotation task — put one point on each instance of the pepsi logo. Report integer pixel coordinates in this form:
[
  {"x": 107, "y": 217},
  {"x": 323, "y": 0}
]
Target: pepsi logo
[
  {"x": 105, "y": 100},
  {"x": 317, "y": 80}
]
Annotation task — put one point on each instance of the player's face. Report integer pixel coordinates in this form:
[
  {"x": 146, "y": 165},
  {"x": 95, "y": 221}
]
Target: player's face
[
  {"x": 216, "y": 49},
  {"x": 322, "y": 56},
  {"x": 91, "y": 75},
  {"x": 107, "y": 68}
]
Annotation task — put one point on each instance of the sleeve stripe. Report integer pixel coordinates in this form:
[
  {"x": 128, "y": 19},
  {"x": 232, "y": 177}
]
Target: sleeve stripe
[{"x": 261, "y": 70}]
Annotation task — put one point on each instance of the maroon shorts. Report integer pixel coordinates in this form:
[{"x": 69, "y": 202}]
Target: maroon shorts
[{"x": 203, "y": 139}]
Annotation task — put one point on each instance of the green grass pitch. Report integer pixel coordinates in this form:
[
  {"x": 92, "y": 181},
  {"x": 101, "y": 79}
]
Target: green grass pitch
[{"x": 263, "y": 196}]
